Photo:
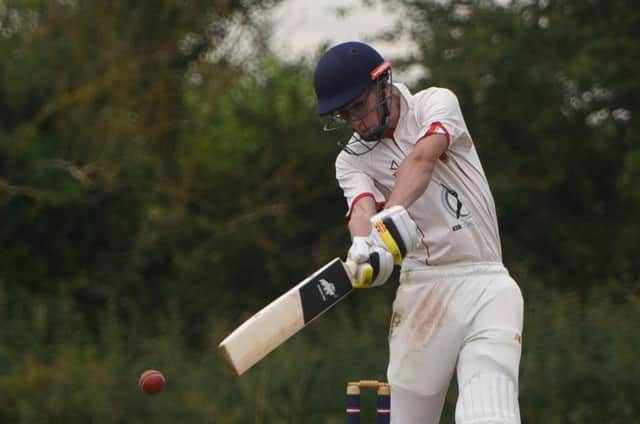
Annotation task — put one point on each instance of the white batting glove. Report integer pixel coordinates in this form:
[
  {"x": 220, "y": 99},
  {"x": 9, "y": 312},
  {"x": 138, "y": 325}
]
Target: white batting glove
[
  {"x": 376, "y": 271},
  {"x": 396, "y": 231},
  {"x": 359, "y": 250}
]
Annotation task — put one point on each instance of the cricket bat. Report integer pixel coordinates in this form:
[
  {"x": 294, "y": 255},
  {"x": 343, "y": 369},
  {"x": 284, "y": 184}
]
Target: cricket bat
[{"x": 288, "y": 314}]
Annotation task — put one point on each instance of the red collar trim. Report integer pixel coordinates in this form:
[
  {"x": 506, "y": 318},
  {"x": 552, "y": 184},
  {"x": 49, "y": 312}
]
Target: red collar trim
[{"x": 389, "y": 133}]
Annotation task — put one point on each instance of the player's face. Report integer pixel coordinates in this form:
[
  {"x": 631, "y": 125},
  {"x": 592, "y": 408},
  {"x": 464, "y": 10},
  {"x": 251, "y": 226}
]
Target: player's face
[{"x": 364, "y": 113}]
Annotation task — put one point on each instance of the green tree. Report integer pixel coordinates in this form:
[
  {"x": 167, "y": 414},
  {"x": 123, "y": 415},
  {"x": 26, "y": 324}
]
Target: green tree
[
  {"x": 94, "y": 118},
  {"x": 549, "y": 90}
]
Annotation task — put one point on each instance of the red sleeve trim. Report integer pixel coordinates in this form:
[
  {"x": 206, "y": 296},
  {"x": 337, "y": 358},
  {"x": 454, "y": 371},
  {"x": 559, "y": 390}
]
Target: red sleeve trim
[
  {"x": 379, "y": 205},
  {"x": 436, "y": 128}
]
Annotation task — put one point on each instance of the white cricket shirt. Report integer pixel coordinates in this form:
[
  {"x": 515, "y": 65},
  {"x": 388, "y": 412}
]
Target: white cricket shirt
[{"x": 456, "y": 213}]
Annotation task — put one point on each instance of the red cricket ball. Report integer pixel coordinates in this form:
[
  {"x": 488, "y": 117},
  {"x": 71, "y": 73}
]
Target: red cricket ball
[{"x": 151, "y": 382}]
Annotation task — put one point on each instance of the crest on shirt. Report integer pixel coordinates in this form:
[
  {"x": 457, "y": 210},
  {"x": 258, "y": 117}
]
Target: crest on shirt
[
  {"x": 453, "y": 203},
  {"x": 394, "y": 167}
]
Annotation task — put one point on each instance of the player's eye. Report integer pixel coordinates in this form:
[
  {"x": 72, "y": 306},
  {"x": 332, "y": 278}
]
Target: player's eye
[
  {"x": 354, "y": 111},
  {"x": 357, "y": 106}
]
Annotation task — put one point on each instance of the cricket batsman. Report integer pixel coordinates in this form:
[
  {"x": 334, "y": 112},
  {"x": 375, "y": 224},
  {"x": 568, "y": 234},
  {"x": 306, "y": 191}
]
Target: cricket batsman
[{"x": 418, "y": 198}]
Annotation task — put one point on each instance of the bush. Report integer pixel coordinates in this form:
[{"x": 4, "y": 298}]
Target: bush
[{"x": 578, "y": 364}]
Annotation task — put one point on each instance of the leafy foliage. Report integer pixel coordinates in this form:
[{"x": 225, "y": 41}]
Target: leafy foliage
[
  {"x": 162, "y": 176},
  {"x": 551, "y": 101}
]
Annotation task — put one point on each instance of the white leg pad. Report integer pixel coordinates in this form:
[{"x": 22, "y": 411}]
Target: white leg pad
[{"x": 488, "y": 399}]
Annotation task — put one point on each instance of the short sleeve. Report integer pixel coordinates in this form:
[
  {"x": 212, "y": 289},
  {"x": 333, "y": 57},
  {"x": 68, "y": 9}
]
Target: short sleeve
[
  {"x": 438, "y": 112},
  {"x": 355, "y": 184}
]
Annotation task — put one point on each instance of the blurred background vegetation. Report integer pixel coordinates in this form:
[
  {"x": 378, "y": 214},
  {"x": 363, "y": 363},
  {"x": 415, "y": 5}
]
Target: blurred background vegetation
[{"x": 162, "y": 176}]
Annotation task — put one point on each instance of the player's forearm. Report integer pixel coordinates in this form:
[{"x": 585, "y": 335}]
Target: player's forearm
[
  {"x": 412, "y": 180},
  {"x": 359, "y": 224},
  {"x": 415, "y": 172}
]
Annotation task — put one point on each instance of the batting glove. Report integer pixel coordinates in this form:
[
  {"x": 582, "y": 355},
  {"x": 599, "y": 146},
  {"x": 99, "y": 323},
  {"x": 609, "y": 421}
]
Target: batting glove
[
  {"x": 359, "y": 250},
  {"x": 376, "y": 271},
  {"x": 396, "y": 231}
]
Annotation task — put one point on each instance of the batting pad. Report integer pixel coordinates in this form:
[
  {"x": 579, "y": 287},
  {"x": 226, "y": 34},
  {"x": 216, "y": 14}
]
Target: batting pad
[{"x": 488, "y": 399}]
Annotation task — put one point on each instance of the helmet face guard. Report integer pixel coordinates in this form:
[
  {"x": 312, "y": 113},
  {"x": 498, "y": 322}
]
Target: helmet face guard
[
  {"x": 344, "y": 73},
  {"x": 360, "y": 144}
]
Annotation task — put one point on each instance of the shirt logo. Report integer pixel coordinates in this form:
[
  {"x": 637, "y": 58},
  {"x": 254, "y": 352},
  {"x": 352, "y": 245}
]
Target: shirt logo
[
  {"x": 326, "y": 289},
  {"x": 394, "y": 167},
  {"x": 453, "y": 204}
]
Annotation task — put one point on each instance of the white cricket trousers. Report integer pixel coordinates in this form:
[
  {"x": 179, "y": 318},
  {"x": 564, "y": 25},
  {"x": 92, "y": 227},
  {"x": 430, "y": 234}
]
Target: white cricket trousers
[{"x": 466, "y": 318}]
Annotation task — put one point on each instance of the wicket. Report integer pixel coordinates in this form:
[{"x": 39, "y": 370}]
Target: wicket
[{"x": 353, "y": 400}]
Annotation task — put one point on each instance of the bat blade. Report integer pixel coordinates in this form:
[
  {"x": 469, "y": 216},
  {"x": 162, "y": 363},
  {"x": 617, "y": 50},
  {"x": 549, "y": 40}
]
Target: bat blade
[{"x": 286, "y": 315}]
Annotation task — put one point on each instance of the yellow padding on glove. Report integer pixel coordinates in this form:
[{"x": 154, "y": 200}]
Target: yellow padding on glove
[
  {"x": 388, "y": 241},
  {"x": 364, "y": 277}
]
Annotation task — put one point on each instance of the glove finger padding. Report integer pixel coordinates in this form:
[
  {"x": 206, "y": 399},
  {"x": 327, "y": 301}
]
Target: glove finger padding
[
  {"x": 363, "y": 276},
  {"x": 396, "y": 231},
  {"x": 377, "y": 271}
]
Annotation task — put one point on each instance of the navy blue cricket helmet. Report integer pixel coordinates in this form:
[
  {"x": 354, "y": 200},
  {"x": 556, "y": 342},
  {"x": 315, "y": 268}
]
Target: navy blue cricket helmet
[{"x": 344, "y": 72}]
